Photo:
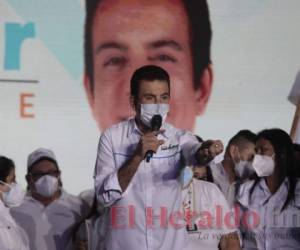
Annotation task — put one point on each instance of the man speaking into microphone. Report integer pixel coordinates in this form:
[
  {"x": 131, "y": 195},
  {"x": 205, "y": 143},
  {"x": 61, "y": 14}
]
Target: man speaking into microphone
[{"x": 137, "y": 168}]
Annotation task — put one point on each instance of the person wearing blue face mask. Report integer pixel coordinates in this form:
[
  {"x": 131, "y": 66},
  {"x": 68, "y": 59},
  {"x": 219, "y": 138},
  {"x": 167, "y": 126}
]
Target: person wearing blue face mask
[
  {"x": 12, "y": 237},
  {"x": 48, "y": 213},
  {"x": 273, "y": 197}
]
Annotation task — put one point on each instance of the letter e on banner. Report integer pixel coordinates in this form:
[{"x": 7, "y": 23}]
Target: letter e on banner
[{"x": 25, "y": 104}]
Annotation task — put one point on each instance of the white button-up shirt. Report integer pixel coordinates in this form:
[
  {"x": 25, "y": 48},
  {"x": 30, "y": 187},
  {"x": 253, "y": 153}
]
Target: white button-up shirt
[
  {"x": 210, "y": 221},
  {"x": 130, "y": 225},
  {"x": 50, "y": 227},
  {"x": 221, "y": 179},
  {"x": 274, "y": 229},
  {"x": 12, "y": 237}
]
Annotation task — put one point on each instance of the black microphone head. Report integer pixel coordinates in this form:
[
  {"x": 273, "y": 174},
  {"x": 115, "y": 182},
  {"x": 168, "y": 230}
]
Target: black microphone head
[{"x": 156, "y": 122}]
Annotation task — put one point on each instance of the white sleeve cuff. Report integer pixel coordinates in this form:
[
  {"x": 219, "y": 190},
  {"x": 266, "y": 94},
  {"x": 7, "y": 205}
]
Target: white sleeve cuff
[{"x": 111, "y": 191}]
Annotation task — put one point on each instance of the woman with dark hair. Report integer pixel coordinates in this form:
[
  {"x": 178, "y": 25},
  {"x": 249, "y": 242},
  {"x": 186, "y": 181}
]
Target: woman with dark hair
[
  {"x": 11, "y": 194},
  {"x": 270, "y": 204}
]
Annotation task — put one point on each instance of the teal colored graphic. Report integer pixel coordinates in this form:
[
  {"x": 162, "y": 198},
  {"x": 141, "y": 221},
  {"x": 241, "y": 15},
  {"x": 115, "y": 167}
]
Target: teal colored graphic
[
  {"x": 59, "y": 25},
  {"x": 15, "y": 34}
]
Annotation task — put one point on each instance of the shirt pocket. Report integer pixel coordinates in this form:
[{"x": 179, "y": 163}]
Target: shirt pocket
[{"x": 167, "y": 164}]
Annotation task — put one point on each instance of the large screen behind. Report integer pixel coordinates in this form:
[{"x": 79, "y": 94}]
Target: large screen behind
[{"x": 43, "y": 100}]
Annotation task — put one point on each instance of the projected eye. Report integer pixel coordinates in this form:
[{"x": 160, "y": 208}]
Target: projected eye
[
  {"x": 117, "y": 61},
  {"x": 165, "y": 97},
  {"x": 164, "y": 58},
  {"x": 149, "y": 98}
]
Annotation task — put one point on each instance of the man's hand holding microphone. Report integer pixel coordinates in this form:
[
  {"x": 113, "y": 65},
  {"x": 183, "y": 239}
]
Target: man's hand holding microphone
[{"x": 149, "y": 143}]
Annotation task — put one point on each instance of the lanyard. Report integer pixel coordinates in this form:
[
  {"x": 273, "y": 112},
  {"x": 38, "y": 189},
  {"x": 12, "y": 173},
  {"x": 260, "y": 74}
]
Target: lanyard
[{"x": 189, "y": 208}]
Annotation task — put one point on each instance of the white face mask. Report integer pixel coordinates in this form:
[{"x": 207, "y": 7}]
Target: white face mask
[
  {"x": 149, "y": 110},
  {"x": 186, "y": 176},
  {"x": 243, "y": 169},
  {"x": 263, "y": 165},
  {"x": 14, "y": 196},
  {"x": 46, "y": 186}
]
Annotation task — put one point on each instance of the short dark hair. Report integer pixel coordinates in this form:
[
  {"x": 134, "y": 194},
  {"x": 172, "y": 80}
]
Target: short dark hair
[
  {"x": 148, "y": 73},
  {"x": 6, "y": 165},
  {"x": 242, "y": 137},
  {"x": 200, "y": 37}
]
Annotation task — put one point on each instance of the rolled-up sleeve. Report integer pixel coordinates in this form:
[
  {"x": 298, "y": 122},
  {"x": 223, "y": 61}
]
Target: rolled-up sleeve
[{"x": 107, "y": 186}]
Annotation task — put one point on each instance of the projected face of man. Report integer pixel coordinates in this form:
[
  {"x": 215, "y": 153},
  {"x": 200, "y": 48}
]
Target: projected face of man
[{"x": 127, "y": 34}]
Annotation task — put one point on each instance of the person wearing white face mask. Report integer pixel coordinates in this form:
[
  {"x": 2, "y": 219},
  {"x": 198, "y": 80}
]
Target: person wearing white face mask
[
  {"x": 48, "y": 214},
  {"x": 236, "y": 165},
  {"x": 12, "y": 237},
  {"x": 124, "y": 179},
  {"x": 273, "y": 198}
]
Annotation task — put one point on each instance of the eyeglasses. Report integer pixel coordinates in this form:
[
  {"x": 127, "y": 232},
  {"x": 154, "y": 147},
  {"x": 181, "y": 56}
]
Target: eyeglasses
[{"x": 37, "y": 175}]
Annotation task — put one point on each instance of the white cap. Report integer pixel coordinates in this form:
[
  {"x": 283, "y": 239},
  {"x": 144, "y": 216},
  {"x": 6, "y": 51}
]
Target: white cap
[{"x": 38, "y": 154}]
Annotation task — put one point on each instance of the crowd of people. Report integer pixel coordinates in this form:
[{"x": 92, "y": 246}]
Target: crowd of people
[
  {"x": 177, "y": 198},
  {"x": 257, "y": 175}
]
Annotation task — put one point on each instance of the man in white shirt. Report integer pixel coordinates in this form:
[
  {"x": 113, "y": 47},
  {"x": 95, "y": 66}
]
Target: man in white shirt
[
  {"x": 48, "y": 214},
  {"x": 236, "y": 165},
  {"x": 144, "y": 196},
  {"x": 209, "y": 226}
]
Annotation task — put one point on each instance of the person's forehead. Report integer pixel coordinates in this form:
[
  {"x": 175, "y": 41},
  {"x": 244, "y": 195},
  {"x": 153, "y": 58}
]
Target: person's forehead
[
  {"x": 110, "y": 6},
  {"x": 248, "y": 146},
  {"x": 262, "y": 142},
  {"x": 150, "y": 17},
  {"x": 155, "y": 87},
  {"x": 43, "y": 166}
]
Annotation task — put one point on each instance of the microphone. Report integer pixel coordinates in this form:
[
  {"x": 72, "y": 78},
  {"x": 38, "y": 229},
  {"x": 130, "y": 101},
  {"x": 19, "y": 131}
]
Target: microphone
[{"x": 156, "y": 122}]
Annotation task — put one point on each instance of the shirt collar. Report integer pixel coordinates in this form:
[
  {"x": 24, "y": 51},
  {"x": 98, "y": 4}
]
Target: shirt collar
[
  {"x": 279, "y": 196},
  {"x": 261, "y": 194},
  {"x": 133, "y": 128}
]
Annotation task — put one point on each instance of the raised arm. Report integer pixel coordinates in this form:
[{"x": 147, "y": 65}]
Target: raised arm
[
  {"x": 111, "y": 181},
  {"x": 199, "y": 153}
]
